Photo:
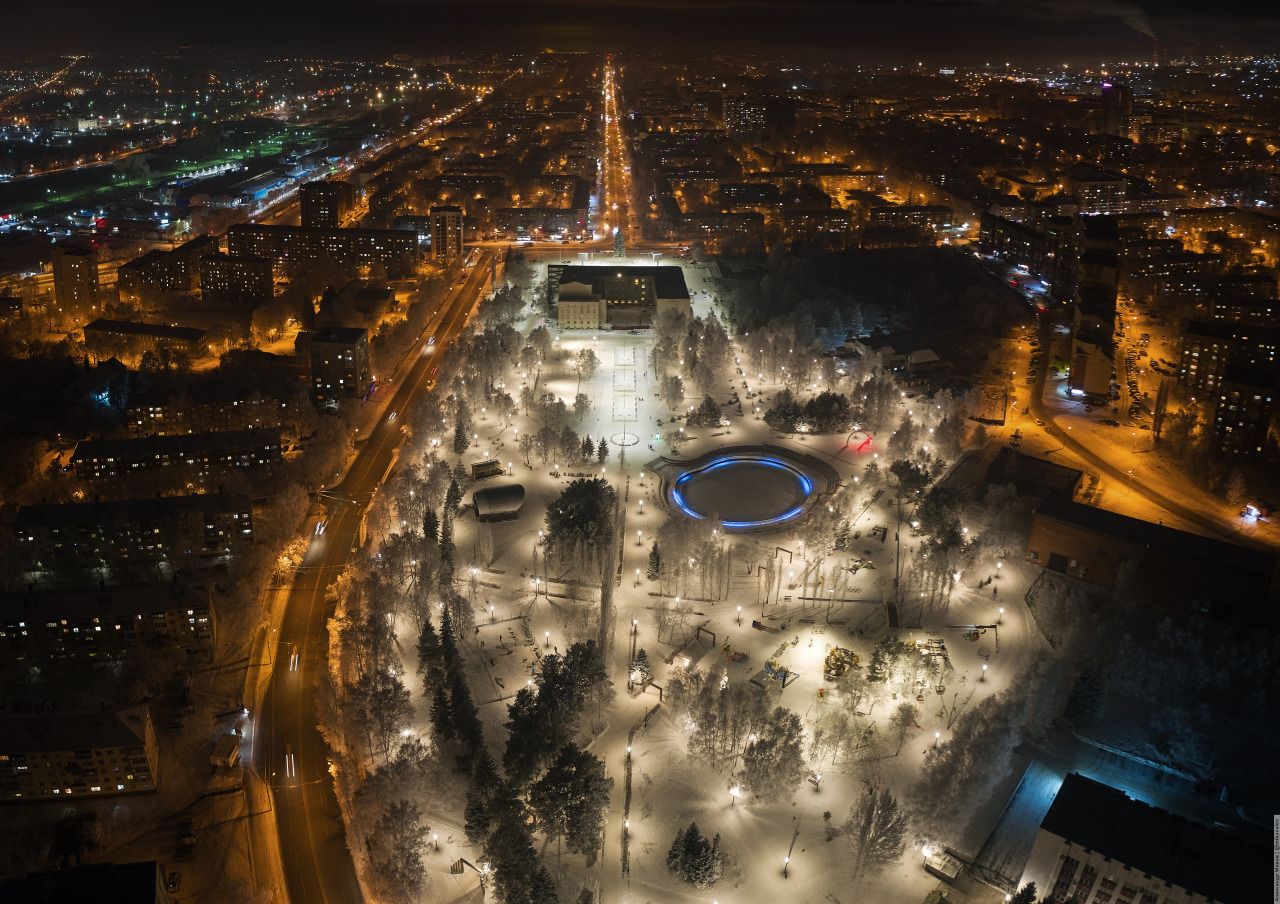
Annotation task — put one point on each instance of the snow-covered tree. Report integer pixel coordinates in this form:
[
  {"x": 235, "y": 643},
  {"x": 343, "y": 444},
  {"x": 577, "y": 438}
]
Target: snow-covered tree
[
  {"x": 773, "y": 764},
  {"x": 876, "y": 830},
  {"x": 695, "y": 858}
]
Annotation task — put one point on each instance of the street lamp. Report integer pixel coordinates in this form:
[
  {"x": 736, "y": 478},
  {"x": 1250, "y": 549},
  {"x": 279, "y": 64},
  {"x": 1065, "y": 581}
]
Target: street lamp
[
  {"x": 786, "y": 865},
  {"x": 739, "y": 616},
  {"x": 547, "y": 634},
  {"x": 999, "y": 565},
  {"x": 1000, "y": 615},
  {"x": 936, "y": 735},
  {"x": 984, "y": 672},
  {"x": 733, "y": 795}
]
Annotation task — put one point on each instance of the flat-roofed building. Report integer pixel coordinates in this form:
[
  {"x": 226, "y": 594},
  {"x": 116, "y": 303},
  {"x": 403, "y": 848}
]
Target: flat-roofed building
[
  {"x": 326, "y": 203},
  {"x": 236, "y": 280},
  {"x": 745, "y": 115},
  {"x": 80, "y": 537},
  {"x": 1255, "y": 309},
  {"x": 578, "y": 307},
  {"x": 130, "y": 336},
  {"x": 1209, "y": 347},
  {"x": 77, "y": 755},
  {"x": 1099, "y": 191},
  {"x": 127, "y": 883},
  {"x": 828, "y": 227},
  {"x": 1097, "y": 845},
  {"x": 615, "y": 297},
  {"x": 211, "y": 408},
  {"x": 1244, "y": 409},
  {"x": 106, "y": 623},
  {"x": 164, "y": 271},
  {"x": 340, "y": 363},
  {"x": 928, "y": 217},
  {"x": 75, "y": 277},
  {"x": 447, "y": 241},
  {"x": 1171, "y": 569},
  {"x": 291, "y": 246},
  {"x": 194, "y": 456}
]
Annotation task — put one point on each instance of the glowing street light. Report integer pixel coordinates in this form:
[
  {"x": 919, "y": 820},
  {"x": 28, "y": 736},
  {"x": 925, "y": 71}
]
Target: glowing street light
[
  {"x": 733, "y": 795},
  {"x": 984, "y": 672}
]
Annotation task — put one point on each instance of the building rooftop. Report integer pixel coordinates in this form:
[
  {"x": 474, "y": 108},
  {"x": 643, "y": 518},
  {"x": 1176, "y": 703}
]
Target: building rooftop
[
  {"x": 82, "y": 514},
  {"x": 1220, "y": 329},
  {"x": 263, "y": 228},
  {"x": 668, "y": 281},
  {"x": 1263, "y": 379},
  {"x": 25, "y": 733},
  {"x": 105, "y": 883},
  {"x": 180, "y": 444},
  {"x": 153, "y": 330},
  {"x": 147, "y": 599},
  {"x": 1156, "y": 536},
  {"x": 1156, "y": 842},
  {"x": 1033, "y": 476},
  {"x": 339, "y": 335}
]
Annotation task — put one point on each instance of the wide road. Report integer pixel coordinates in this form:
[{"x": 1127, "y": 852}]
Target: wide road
[{"x": 291, "y": 754}]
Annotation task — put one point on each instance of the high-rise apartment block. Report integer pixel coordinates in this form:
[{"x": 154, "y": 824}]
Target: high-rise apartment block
[
  {"x": 446, "y": 233},
  {"x": 326, "y": 203},
  {"x": 75, "y": 277}
]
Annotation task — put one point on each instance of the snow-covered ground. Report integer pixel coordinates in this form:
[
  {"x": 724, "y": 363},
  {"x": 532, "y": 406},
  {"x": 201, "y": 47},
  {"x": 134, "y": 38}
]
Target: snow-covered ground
[{"x": 518, "y": 621}]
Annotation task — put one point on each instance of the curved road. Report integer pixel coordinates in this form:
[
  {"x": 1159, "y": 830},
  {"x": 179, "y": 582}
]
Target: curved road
[
  {"x": 292, "y": 756},
  {"x": 1208, "y": 523}
]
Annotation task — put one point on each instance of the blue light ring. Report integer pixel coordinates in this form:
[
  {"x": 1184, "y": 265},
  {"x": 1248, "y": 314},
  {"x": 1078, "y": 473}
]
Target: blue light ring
[{"x": 806, "y": 484}]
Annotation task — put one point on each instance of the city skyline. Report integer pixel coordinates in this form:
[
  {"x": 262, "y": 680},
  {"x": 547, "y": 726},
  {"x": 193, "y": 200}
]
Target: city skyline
[{"x": 613, "y": 452}]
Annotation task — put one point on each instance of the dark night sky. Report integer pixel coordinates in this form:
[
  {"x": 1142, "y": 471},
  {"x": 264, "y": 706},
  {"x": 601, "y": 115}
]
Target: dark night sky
[{"x": 956, "y": 31}]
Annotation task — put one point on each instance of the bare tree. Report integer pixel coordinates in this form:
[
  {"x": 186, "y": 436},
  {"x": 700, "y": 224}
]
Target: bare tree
[{"x": 877, "y": 831}]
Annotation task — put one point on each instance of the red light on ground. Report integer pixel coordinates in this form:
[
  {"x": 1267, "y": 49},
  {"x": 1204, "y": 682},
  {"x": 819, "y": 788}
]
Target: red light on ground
[{"x": 866, "y": 443}]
